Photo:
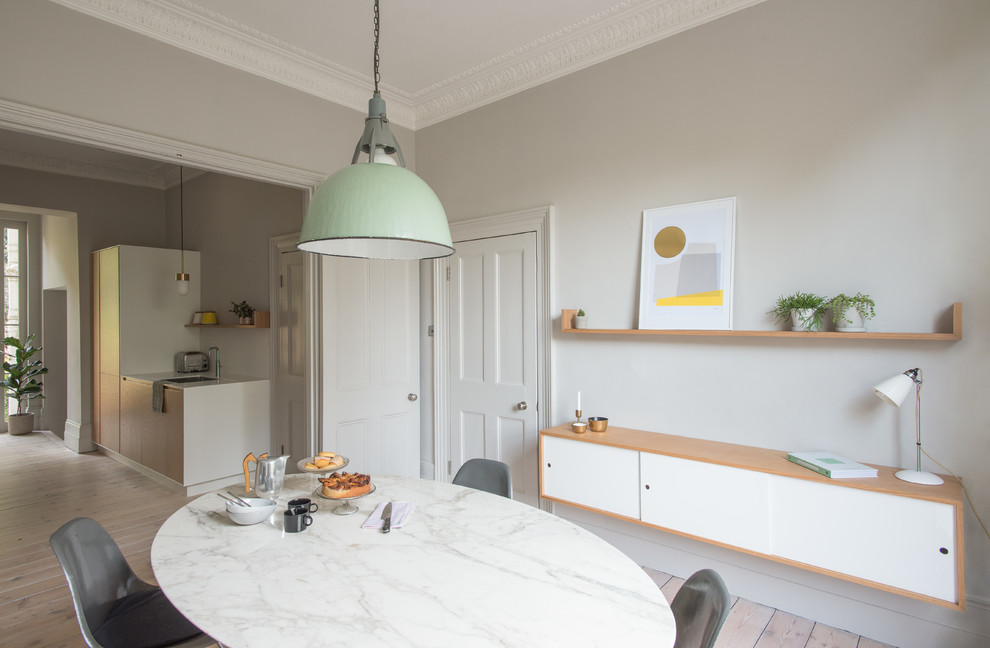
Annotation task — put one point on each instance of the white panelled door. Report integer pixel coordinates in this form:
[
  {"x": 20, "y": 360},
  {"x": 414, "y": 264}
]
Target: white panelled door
[
  {"x": 493, "y": 357},
  {"x": 291, "y": 391},
  {"x": 371, "y": 403}
]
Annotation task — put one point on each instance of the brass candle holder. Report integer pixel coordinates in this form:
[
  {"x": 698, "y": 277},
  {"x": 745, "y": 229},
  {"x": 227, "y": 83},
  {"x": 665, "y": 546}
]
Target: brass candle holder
[{"x": 579, "y": 426}]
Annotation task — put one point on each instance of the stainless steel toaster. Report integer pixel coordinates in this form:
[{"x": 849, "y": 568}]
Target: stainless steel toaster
[{"x": 190, "y": 361}]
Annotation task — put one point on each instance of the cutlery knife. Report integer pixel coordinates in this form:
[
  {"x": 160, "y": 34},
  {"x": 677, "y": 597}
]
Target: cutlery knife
[{"x": 387, "y": 516}]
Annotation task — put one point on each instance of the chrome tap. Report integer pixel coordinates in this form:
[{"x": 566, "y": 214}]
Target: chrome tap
[{"x": 216, "y": 363}]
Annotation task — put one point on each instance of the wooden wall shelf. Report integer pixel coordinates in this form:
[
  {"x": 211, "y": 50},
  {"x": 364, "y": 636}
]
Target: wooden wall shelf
[
  {"x": 262, "y": 320},
  {"x": 567, "y": 319}
]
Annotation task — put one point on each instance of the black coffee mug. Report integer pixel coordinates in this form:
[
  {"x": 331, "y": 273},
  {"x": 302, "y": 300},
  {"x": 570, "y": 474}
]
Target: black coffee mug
[
  {"x": 303, "y": 505},
  {"x": 295, "y": 522}
]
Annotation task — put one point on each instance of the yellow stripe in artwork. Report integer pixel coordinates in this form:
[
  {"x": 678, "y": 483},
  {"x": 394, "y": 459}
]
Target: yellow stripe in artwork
[{"x": 711, "y": 298}]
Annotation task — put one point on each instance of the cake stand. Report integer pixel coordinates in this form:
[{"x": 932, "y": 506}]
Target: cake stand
[{"x": 345, "y": 508}]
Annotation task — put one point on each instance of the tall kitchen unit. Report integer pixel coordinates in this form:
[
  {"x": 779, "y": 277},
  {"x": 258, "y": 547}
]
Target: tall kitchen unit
[{"x": 139, "y": 321}]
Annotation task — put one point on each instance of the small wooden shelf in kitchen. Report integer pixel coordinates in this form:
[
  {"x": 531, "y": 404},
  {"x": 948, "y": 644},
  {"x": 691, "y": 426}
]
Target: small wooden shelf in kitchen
[
  {"x": 262, "y": 320},
  {"x": 955, "y": 333}
]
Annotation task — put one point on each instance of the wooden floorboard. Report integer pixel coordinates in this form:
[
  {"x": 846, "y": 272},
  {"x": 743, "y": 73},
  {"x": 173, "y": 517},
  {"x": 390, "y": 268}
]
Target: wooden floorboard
[{"x": 43, "y": 485}]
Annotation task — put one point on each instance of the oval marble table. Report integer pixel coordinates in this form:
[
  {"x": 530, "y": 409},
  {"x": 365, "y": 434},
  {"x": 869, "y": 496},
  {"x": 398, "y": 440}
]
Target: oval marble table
[{"x": 467, "y": 569}]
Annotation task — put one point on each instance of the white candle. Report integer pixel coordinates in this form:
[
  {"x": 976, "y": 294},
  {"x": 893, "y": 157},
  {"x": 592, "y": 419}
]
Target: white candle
[{"x": 579, "y": 400}]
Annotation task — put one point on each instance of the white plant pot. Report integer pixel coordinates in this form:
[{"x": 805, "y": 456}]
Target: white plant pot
[
  {"x": 580, "y": 321},
  {"x": 803, "y": 319},
  {"x": 20, "y": 423},
  {"x": 851, "y": 321}
]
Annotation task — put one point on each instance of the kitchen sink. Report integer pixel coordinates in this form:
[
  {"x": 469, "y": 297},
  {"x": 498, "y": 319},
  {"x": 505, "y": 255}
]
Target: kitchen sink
[{"x": 192, "y": 379}]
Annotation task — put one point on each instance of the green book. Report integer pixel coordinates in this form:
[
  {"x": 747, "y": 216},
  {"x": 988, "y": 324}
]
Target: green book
[{"x": 831, "y": 465}]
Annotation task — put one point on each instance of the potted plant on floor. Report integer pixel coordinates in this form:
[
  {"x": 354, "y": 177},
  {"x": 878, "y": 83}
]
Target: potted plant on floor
[
  {"x": 20, "y": 381},
  {"x": 244, "y": 312},
  {"x": 805, "y": 311},
  {"x": 850, "y": 313}
]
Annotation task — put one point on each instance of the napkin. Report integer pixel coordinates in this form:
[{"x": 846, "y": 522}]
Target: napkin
[{"x": 400, "y": 513}]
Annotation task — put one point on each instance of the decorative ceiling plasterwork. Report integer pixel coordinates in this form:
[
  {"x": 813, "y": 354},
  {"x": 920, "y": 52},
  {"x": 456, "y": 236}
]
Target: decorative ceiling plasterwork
[
  {"x": 626, "y": 25},
  {"x": 83, "y": 169}
]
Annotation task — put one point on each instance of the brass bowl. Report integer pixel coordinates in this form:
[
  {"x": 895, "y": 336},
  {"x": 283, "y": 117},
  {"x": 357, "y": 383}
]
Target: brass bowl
[
  {"x": 597, "y": 423},
  {"x": 579, "y": 428}
]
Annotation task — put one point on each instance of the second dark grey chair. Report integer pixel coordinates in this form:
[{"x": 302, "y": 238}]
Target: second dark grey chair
[
  {"x": 700, "y": 608},
  {"x": 115, "y": 608},
  {"x": 487, "y": 475}
]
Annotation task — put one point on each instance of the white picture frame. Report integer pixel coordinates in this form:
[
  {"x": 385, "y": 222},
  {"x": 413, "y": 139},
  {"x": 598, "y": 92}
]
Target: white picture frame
[{"x": 686, "y": 266}]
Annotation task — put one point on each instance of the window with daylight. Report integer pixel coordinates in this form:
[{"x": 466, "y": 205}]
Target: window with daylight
[{"x": 13, "y": 301}]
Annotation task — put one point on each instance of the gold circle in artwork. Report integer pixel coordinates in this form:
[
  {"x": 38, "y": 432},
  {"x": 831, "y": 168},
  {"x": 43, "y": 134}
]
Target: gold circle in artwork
[{"x": 669, "y": 242}]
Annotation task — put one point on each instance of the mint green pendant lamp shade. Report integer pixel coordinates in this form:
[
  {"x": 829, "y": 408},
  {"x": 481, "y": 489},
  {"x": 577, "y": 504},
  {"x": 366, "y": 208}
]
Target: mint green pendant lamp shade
[{"x": 376, "y": 211}]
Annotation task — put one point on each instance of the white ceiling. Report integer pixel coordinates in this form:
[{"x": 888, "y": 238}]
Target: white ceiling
[{"x": 439, "y": 58}]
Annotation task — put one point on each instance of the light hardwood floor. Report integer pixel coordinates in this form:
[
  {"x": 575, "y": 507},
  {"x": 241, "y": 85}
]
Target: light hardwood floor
[{"x": 43, "y": 485}]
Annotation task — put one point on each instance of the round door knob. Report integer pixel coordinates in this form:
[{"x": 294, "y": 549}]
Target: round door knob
[
  {"x": 522, "y": 405},
  {"x": 412, "y": 397}
]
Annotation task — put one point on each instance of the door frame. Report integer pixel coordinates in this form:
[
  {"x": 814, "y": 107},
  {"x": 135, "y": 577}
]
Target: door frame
[
  {"x": 537, "y": 220},
  {"x": 276, "y": 246}
]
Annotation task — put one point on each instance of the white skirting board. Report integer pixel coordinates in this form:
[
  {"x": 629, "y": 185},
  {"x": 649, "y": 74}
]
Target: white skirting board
[
  {"x": 160, "y": 479},
  {"x": 883, "y": 616},
  {"x": 78, "y": 437}
]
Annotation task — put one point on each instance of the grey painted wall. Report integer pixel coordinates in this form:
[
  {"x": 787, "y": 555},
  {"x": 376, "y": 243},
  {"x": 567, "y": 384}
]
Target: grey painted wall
[
  {"x": 230, "y": 220},
  {"x": 854, "y": 137}
]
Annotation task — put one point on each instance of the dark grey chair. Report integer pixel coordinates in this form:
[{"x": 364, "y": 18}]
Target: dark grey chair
[
  {"x": 700, "y": 608},
  {"x": 115, "y": 608},
  {"x": 487, "y": 475}
]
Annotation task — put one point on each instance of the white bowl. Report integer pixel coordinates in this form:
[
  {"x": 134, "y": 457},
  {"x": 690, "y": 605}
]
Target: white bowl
[{"x": 258, "y": 511}]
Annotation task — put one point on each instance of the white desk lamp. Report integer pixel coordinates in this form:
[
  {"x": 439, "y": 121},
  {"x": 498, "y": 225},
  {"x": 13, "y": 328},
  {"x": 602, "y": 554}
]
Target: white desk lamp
[{"x": 894, "y": 391}]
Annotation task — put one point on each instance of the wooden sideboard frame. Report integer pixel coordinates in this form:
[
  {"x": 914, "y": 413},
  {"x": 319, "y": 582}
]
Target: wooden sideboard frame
[{"x": 772, "y": 462}]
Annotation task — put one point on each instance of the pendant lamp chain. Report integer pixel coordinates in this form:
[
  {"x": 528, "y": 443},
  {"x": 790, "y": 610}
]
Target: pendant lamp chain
[{"x": 378, "y": 76}]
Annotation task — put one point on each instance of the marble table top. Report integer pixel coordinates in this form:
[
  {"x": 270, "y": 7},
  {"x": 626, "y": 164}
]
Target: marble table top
[{"x": 467, "y": 569}]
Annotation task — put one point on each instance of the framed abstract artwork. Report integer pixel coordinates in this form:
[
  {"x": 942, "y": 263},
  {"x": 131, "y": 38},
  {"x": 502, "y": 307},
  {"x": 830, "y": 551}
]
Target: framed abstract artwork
[{"x": 686, "y": 266}]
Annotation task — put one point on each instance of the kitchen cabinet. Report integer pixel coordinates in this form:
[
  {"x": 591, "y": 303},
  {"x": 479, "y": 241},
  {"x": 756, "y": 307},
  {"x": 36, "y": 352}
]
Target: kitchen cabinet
[
  {"x": 152, "y": 439},
  {"x": 199, "y": 441},
  {"x": 881, "y": 532},
  {"x": 138, "y": 326}
]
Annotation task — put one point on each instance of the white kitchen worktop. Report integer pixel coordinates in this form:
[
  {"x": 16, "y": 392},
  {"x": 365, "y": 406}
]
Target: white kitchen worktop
[{"x": 225, "y": 379}]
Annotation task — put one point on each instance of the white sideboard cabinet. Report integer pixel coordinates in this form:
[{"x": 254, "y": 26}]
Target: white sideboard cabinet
[{"x": 881, "y": 532}]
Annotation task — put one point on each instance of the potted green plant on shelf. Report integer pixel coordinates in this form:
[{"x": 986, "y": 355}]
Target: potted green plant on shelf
[
  {"x": 580, "y": 320},
  {"x": 805, "y": 310},
  {"x": 20, "y": 381},
  {"x": 244, "y": 312},
  {"x": 850, "y": 313}
]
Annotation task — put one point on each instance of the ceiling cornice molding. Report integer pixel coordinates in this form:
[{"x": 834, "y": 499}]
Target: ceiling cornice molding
[
  {"x": 37, "y": 121},
  {"x": 625, "y": 26},
  {"x": 622, "y": 28},
  {"x": 195, "y": 29},
  {"x": 90, "y": 170}
]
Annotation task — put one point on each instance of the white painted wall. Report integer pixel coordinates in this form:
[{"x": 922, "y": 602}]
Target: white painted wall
[{"x": 854, "y": 136}]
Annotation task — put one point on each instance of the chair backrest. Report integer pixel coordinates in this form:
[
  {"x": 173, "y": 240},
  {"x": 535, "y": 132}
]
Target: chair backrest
[
  {"x": 700, "y": 608},
  {"x": 97, "y": 572},
  {"x": 487, "y": 475}
]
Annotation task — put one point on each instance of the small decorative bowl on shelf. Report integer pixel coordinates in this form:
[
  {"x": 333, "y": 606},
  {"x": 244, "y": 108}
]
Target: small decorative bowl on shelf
[{"x": 579, "y": 427}]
